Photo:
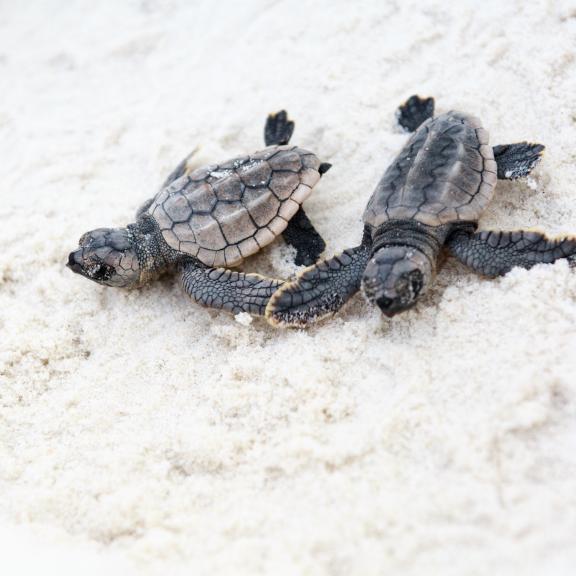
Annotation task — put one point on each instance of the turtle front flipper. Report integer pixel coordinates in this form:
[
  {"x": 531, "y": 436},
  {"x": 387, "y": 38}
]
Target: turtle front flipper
[
  {"x": 182, "y": 168},
  {"x": 494, "y": 253},
  {"x": 517, "y": 160},
  {"x": 144, "y": 207},
  {"x": 227, "y": 290},
  {"x": 320, "y": 290},
  {"x": 414, "y": 112}
]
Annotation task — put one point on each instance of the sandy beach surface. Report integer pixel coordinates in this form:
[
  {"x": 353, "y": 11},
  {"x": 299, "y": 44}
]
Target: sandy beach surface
[{"x": 142, "y": 434}]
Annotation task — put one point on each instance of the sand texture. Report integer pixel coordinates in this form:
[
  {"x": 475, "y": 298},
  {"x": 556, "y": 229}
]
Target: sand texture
[{"x": 141, "y": 432}]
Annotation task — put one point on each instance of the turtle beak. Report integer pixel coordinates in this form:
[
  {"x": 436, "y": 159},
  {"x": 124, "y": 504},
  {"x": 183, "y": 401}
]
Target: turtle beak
[
  {"x": 390, "y": 313},
  {"x": 74, "y": 261}
]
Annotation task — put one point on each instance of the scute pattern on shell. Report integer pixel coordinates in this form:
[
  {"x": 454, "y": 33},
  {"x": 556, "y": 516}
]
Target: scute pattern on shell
[
  {"x": 445, "y": 173},
  {"x": 223, "y": 213}
]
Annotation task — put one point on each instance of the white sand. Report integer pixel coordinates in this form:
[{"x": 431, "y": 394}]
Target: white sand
[{"x": 137, "y": 429}]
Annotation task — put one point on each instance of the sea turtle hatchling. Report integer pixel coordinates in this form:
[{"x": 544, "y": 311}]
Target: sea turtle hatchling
[
  {"x": 203, "y": 221},
  {"x": 430, "y": 197}
]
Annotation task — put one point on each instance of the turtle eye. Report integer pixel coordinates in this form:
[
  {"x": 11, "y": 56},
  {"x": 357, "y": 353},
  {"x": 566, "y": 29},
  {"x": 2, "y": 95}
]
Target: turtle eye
[
  {"x": 416, "y": 282},
  {"x": 102, "y": 272}
]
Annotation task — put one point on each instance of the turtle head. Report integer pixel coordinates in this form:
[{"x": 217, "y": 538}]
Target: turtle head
[
  {"x": 395, "y": 277},
  {"x": 107, "y": 256}
]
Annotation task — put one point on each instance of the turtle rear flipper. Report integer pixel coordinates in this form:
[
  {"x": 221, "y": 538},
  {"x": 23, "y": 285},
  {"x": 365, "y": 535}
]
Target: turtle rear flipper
[
  {"x": 320, "y": 290},
  {"x": 227, "y": 290},
  {"x": 517, "y": 160},
  {"x": 301, "y": 234},
  {"x": 414, "y": 112},
  {"x": 494, "y": 253},
  {"x": 278, "y": 129}
]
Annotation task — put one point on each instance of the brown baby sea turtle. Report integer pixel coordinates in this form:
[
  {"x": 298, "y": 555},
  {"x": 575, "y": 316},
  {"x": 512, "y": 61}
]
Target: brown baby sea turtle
[
  {"x": 430, "y": 198},
  {"x": 204, "y": 221}
]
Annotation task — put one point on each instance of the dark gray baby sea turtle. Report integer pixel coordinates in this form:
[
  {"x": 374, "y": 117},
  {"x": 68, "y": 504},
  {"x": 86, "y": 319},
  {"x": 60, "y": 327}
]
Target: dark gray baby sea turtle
[
  {"x": 204, "y": 221},
  {"x": 430, "y": 198}
]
